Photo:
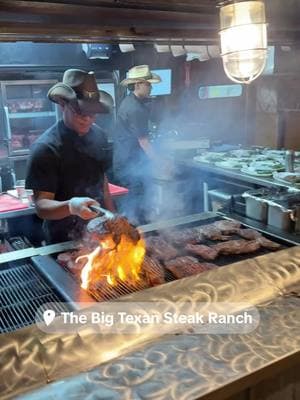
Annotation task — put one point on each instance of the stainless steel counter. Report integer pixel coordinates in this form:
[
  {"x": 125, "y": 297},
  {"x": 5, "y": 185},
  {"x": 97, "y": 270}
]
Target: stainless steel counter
[
  {"x": 184, "y": 367},
  {"x": 231, "y": 173},
  {"x": 206, "y": 367}
]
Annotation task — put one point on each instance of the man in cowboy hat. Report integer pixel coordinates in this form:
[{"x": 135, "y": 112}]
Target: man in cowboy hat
[
  {"x": 133, "y": 151},
  {"x": 67, "y": 165}
]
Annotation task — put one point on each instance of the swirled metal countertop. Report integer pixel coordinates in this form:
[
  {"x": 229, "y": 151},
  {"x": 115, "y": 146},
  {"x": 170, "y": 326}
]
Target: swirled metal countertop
[{"x": 149, "y": 366}]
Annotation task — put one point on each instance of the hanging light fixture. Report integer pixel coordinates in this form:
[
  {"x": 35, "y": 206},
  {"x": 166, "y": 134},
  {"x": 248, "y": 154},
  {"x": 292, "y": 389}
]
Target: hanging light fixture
[{"x": 243, "y": 39}]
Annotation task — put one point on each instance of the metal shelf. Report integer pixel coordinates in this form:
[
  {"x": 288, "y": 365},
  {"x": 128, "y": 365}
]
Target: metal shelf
[{"x": 32, "y": 114}]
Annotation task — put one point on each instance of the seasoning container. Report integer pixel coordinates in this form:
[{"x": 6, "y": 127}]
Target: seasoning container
[
  {"x": 8, "y": 178},
  {"x": 256, "y": 205},
  {"x": 280, "y": 216},
  {"x": 289, "y": 160}
]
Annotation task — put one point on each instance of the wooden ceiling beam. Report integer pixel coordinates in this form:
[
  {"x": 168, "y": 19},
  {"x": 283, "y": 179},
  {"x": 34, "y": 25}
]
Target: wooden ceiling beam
[
  {"x": 80, "y": 33},
  {"x": 134, "y": 20},
  {"x": 206, "y": 6},
  {"x": 30, "y": 9}
]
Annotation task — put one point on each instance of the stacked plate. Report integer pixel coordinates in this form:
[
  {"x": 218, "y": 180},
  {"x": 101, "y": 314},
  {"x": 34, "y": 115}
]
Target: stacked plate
[
  {"x": 292, "y": 178},
  {"x": 232, "y": 163}
]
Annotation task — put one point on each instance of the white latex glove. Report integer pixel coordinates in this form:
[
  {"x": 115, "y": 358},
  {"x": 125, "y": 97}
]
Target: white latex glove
[{"x": 80, "y": 206}]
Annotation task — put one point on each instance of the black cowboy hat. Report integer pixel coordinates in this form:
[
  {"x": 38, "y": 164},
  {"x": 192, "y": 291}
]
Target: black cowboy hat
[{"x": 79, "y": 88}]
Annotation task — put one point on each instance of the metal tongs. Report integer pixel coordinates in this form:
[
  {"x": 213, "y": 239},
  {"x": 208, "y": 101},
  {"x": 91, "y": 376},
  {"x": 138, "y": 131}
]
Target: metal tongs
[
  {"x": 102, "y": 212},
  {"x": 106, "y": 215},
  {"x": 103, "y": 215}
]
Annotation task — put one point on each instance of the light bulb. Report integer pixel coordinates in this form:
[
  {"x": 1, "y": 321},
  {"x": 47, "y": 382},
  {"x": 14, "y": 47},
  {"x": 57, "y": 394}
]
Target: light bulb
[{"x": 243, "y": 40}]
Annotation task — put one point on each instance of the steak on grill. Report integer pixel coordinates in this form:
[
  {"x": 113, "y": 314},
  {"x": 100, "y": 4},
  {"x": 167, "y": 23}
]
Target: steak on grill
[
  {"x": 159, "y": 248},
  {"x": 227, "y": 227},
  {"x": 152, "y": 272},
  {"x": 249, "y": 234},
  {"x": 206, "y": 252},
  {"x": 182, "y": 267},
  {"x": 211, "y": 232},
  {"x": 268, "y": 244},
  {"x": 68, "y": 261},
  {"x": 183, "y": 236},
  {"x": 117, "y": 226},
  {"x": 240, "y": 246}
]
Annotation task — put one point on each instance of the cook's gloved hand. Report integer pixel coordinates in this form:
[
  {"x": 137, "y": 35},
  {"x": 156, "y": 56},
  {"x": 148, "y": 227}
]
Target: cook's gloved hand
[{"x": 80, "y": 206}]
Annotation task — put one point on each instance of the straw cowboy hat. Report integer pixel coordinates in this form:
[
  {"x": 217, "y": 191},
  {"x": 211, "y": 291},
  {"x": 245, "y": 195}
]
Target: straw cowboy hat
[
  {"x": 79, "y": 88},
  {"x": 140, "y": 73}
]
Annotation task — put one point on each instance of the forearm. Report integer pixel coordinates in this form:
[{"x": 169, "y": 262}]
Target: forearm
[
  {"x": 52, "y": 209},
  {"x": 147, "y": 147}
]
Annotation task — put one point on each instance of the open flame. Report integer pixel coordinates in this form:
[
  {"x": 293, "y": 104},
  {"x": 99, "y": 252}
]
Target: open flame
[{"x": 113, "y": 262}]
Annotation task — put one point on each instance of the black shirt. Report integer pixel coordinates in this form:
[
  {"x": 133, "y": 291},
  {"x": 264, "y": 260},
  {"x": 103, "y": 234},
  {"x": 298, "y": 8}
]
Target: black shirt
[
  {"x": 132, "y": 124},
  {"x": 68, "y": 165}
]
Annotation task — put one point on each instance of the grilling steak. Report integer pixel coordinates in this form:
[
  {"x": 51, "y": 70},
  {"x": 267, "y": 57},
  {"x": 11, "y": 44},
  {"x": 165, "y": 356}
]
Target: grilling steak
[
  {"x": 117, "y": 226},
  {"x": 206, "y": 252},
  {"x": 268, "y": 244},
  {"x": 152, "y": 272},
  {"x": 182, "y": 267},
  {"x": 249, "y": 234},
  {"x": 159, "y": 248},
  {"x": 181, "y": 237},
  {"x": 227, "y": 227},
  {"x": 211, "y": 232},
  {"x": 68, "y": 260},
  {"x": 240, "y": 246}
]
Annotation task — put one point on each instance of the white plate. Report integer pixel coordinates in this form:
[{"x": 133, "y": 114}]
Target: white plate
[
  {"x": 243, "y": 152},
  {"x": 252, "y": 172},
  {"x": 267, "y": 165},
  {"x": 229, "y": 164},
  {"x": 283, "y": 177}
]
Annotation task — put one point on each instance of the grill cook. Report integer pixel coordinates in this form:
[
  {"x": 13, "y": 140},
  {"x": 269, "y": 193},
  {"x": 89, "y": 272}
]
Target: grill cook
[{"x": 67, "y": 165}]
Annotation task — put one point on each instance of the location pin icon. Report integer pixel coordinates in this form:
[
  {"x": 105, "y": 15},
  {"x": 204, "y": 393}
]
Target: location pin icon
[{"x": 49, "y": 316}]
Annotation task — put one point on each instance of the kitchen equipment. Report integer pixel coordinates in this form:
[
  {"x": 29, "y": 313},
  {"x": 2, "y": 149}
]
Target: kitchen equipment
[
  {"x": 102, "y": 212},
  {"x": 258, "y": 202},
  {"x": 282, "y": 211},
  {"x": 256, "y": 205},
  {"x": 219, "y": 199},
  {"x": 103, "y": 215},
  {"x": 280, "y": 216},
  {"x": 229, "y": 198}
]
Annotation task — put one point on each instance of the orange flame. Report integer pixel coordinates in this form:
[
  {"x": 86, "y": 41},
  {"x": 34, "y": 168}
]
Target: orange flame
[{"x": 113, "y": 263}]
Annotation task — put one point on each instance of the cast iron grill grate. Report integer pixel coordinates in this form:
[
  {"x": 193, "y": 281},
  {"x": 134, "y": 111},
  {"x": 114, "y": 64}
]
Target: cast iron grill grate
[{"x": 22, "y": 292}]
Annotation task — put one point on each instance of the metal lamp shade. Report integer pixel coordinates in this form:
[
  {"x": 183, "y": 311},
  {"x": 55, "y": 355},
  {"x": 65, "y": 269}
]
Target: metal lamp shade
[{"x": 243, "y": 40}]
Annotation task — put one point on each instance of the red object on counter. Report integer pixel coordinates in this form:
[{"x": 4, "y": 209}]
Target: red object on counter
[
  {"x": 115, "y": 190},
  {"x": 10, "y": 203}
]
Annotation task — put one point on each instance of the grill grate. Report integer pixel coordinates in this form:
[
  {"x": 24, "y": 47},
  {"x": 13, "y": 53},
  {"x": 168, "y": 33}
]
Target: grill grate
[
  {"x": 22, "y": 292},
  {"x": 104, "y": 292}
]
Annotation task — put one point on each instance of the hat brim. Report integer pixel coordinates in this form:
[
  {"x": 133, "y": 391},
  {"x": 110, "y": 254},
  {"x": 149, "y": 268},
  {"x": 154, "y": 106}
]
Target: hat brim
[
  {"x": 61, "y": 92},
  {"x": 154, "y": 79}
]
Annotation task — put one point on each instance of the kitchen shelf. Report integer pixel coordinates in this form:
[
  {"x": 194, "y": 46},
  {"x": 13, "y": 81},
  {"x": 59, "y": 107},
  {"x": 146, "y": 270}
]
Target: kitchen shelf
[{"x": 33, "y": 114}]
